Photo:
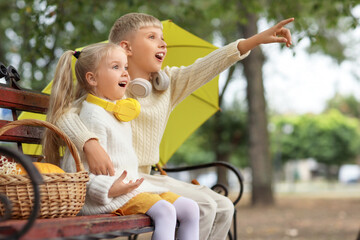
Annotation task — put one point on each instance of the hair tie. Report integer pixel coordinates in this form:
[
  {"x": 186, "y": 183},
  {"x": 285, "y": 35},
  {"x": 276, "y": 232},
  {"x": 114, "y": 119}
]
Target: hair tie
[{"x": 76, "y": 54}]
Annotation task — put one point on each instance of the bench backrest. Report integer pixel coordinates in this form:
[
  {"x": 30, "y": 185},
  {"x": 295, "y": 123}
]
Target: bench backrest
[{"x": 18, "y": 100}]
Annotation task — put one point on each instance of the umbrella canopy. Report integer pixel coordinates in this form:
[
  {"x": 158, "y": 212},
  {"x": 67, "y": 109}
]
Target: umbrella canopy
[{"x": 183, "y": 49}]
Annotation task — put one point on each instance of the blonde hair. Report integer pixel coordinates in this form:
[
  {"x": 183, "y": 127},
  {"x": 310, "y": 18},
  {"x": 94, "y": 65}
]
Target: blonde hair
[
  {"x": 129, "y": 23},
  {"x": 64, "y": 95}
]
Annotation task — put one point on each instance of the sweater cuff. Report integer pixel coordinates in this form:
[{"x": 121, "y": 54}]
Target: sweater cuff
[
  {"x": 234, "y": 53},
  {"x": 98, "y": 188}
]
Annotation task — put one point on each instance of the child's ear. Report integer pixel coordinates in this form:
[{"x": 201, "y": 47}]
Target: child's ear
[
  {"x": 90, "y": 78},
  {"x": 126, "y": 45}
]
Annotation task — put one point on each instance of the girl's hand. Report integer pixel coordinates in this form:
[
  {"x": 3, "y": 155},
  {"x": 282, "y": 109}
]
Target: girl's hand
[
  {"x": 119, "y": 187},
  {"x": 98, "y": 160}
]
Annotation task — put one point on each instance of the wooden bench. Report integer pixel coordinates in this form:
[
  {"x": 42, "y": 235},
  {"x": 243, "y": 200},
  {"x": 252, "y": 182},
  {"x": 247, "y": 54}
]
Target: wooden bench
[{"x": 80, "y": 227}]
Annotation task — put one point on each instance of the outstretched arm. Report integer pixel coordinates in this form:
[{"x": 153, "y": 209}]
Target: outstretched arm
[{"x": 277, "y": 33}]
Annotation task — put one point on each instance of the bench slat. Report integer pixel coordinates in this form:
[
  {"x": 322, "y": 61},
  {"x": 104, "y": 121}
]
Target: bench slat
[
  {"x": 23, "y": 100},
  {"x": 80, "y": 225},
  {"x": 24, "y": 134}
]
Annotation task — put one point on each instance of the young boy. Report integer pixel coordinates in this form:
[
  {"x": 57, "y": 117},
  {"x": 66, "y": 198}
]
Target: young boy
[{"x": 141, "y": 36}]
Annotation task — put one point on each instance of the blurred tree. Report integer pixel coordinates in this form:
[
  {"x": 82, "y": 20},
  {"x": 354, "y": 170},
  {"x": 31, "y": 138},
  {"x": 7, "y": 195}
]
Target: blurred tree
[
  {"x": 347, "y": 105},
  {"x": 37, "y": 32},
  {"x": 235, "y": 19},
  {"x": 34, "y": 33},
  {"x": 331, "y": 138}
]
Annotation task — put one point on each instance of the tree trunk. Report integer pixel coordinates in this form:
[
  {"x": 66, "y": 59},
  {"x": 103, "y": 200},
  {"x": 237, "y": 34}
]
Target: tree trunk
[{"x": 259, "y": 156}]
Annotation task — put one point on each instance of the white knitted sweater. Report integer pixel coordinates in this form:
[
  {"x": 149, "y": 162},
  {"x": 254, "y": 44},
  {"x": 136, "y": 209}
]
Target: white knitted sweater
[
  {"x": 149, "y": 127},
  {"x": 116, "y": 138}
]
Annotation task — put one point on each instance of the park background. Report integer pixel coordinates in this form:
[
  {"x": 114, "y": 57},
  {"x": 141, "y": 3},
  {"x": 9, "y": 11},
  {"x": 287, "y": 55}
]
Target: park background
[{"x": 290, "y": 116}]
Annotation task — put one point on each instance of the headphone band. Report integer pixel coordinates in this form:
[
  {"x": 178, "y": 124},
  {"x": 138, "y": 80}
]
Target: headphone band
[{"x": 124, "y": 110}]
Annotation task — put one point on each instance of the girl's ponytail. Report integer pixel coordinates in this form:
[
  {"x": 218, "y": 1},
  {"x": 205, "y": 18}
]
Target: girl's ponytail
[
  {"x": 63, "y": 93},
  {"x": 61, "y": 98}
]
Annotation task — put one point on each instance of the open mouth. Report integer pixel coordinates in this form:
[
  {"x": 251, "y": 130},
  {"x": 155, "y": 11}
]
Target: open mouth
[
  {"x": 123, "y": 84},
  {"x": 160, "y": 56}
]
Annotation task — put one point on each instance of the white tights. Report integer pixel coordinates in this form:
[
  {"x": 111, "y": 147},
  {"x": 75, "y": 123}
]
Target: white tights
[{"x": 164, "y": 215}]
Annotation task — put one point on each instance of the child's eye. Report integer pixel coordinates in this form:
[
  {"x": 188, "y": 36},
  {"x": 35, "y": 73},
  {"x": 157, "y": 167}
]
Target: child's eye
[
  {"x": 126, "y": 68},
  {"x": 116, "y": 67},
  {"x": 152, "y": 36}
]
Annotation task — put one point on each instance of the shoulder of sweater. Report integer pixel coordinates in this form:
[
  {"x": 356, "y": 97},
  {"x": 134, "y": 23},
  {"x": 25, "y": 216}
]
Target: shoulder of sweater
[{"x": 94, "y": 113}]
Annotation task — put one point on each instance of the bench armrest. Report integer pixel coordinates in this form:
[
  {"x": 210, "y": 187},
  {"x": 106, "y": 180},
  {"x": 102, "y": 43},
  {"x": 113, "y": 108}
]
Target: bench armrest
[{"x": 226, "y": 165}]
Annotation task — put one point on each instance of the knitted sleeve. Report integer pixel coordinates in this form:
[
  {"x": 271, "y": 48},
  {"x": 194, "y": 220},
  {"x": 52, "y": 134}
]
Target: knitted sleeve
[
  {"x": 185, "y": 80},
  {"x": 99, "y": 185},
  {"x": 73, "y": 127},
  {"x": 98, "y": 188}
]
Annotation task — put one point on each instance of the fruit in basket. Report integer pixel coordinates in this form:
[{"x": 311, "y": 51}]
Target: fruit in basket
[{"x": 42, "y": 168}]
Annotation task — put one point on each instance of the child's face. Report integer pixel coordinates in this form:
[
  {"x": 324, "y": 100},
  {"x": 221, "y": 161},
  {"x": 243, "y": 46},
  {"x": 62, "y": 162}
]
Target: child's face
[
  {"x": 148, "y": 50},
  {"x": 112, "y": 76}
]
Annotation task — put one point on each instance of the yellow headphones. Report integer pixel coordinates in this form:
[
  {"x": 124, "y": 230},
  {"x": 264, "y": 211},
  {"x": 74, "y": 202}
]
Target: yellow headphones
[{"x": 124, "y": 110}]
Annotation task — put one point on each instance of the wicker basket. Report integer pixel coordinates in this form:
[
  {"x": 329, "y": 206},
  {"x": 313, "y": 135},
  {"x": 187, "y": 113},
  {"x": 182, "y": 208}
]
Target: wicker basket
[{"x": 62, "y": 194}]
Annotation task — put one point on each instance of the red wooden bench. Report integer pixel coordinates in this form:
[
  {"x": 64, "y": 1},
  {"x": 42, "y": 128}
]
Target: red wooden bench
[{"x": 80, "y": 227}]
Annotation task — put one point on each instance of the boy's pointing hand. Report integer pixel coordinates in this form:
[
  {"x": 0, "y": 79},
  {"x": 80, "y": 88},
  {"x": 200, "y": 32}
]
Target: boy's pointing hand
[{"x": 277, "y": 33}]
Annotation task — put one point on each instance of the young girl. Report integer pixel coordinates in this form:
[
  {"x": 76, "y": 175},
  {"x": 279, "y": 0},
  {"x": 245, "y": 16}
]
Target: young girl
[
  {"x": 102, "y": 78},
  {"x": 142, "y": 37}
]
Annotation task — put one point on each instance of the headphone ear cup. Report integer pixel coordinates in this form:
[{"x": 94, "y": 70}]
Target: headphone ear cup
[
  {"x": 140, "y": 87},
  {"x": 160, "y": 81},
  {"x": 129, "y": 109}
]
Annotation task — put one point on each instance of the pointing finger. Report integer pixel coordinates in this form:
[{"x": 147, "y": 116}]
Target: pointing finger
[{"x": 284, "y": 22}]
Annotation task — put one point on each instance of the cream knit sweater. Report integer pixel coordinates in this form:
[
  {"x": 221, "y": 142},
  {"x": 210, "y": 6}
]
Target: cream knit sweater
[
  {"x": 116, "y": 138},
  {"x": 149, "y": 127}
]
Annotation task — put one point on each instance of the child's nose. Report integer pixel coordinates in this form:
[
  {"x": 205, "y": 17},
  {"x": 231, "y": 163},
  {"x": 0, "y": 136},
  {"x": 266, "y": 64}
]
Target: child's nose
[
  {"x": 125, "y": 73},
  {"x": 163, "y": 44}
]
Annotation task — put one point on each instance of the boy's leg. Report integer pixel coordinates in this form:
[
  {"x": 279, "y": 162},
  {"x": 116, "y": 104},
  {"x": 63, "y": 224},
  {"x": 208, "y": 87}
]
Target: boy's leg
[
  {"x": 224, "y": 215},
  {"x": 216, "y": 211}
]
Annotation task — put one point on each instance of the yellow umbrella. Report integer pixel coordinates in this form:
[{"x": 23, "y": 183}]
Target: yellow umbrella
[{"x": 183, "y": 49}]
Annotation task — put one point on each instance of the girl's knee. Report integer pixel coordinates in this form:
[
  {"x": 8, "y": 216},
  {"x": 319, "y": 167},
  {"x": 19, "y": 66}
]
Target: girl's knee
[
  {"x": 162, "y": 211},
  {"x": 194, "y": 211},
  {"x": 167, "y": 209},
  {"x": 187, "y": 209}
]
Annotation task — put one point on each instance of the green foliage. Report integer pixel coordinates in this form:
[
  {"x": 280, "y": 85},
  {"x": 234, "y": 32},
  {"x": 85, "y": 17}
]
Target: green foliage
[
  {"x": 34, "y": 33},
  {"x": 223, "y": 136},
  {"x": 322, "y": 22},
  {"x": 347, "y": 105},
  {"x": 330, "y": 138},
  {"x": 40, "y": 31},
  {"x": 192, "y": 152}
]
